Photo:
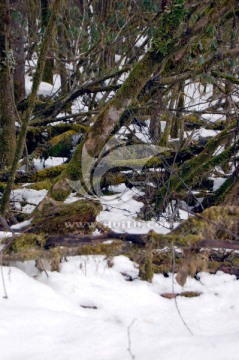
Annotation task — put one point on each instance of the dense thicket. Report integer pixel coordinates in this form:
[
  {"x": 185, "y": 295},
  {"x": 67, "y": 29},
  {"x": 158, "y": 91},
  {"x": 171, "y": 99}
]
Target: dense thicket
[{"x": 163, "y": 73}]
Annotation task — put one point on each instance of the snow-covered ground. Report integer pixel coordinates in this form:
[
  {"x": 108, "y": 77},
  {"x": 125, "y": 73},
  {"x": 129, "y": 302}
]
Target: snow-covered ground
[{"x": 89, "y": 311}]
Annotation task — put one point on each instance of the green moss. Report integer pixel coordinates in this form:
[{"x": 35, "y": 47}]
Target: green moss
[
  {"x": 220, "y": 194},
  {"x": 44, "y": 174},
  {"x": 2, "y": 186},
  {"x": 146, "y": 271},
  {"x": 171, "y": 19},
  {"x": 59, "y": 138},
  {"x": 61, "y": 188},
  {"x": 61, "y": 144},
  {"x": 27, "y": 242},
  {"x": 162, "y": 262},
  {"x": 191, "y": 118},
  {"x": 61, "y": 195},
  {"x": 224, "y": 189},
  {"x": 63, "y": 219},
  {"x": 180, "y": 238},
  {"x": 235, "y": 262},
  {"x": 102, "y": 249},
  {"x": 226, "y": 217},
  {"x": 40, "y": 185}
]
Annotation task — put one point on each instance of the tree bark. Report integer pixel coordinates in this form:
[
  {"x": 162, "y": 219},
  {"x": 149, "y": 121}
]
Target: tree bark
[
  {"x": 18, "y": 48},
  {"x": 7, "y": 103},
  {"x": 49, "y": 62}
]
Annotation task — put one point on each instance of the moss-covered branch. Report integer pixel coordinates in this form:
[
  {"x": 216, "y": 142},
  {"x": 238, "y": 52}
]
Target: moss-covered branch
[{"x": 195, "y": 168}]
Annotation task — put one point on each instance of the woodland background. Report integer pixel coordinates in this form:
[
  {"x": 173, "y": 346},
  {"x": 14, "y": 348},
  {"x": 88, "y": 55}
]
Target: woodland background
[{"x": 163, "y": 73}]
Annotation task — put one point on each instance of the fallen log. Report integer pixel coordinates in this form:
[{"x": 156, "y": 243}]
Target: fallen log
[
  {"x": 200, "y": 240},
  {"x": 77, "y": 240},
  {"x": 156, "y": 240},
  {"x": 72, "y": 244}
]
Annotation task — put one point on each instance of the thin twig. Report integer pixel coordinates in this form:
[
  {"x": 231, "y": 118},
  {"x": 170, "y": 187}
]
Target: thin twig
[
  {"x": 3, "y": 281},
  {"x": 175, "y": 298},
  {"x": 129, "y": 339}
]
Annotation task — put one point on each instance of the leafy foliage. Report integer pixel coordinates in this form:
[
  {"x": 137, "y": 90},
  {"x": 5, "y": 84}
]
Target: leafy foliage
[{"x": 170, "y": 20}]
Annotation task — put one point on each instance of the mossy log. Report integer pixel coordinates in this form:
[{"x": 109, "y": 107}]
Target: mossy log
[
  {"x": 40, "y": 185},
  {"x": 228, "y": 193},
  {"x": 217, "y": 226},
  {"x": 34, "y": 176},
  {"x": 61, "y": 187},
  {"x": 58, "y": 218},
  {"x": 58, "y": 253},
  {"x": 43, "y": 134},
  {"x": 217, "y": 222}
]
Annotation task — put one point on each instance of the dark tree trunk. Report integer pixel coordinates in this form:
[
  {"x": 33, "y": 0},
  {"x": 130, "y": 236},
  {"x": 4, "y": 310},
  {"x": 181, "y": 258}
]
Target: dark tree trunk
[
  {"x": 49, "y": 64},
  {"x": 7, "y": 105},
  {"x": 18, "y": 48}
]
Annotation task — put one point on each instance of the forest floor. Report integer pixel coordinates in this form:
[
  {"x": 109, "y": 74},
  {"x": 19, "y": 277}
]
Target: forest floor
[{"x": 96, "y": 308}]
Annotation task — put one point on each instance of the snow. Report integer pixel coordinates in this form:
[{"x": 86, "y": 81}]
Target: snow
[
  {"x": 45, "y": 89},
  {"x": 90, "y": 311},
  {"x": 31, "y": 196},
  {"x": 207, "y": 132},
  {"x": 141, "y": 133},
  {"x": 197, "y": 97},
  {"x": 27, "y": 199},
  {"x": 201, "y": 133},
  {"x": 217, "y": 182},
  {"x": 40, "y": 164},
  {"x": 21, "y": 225},
  {"x": 140, "y": 40},
  {"x": 5, "y": 234},
  {"x": 120, "y": 213}
]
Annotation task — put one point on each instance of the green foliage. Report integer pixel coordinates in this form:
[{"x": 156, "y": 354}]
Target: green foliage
[
  {"x": 149, "y": 5},
  {"x": 172, "y": 17},
  {"x": 94, "y": 33}
]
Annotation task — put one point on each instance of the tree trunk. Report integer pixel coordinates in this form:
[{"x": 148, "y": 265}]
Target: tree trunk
[
  {"x": 109, "y": 118},
  {"x": 177, "y": 123},
  {"x": 7, "y": 105},
  {"x": 49, "y": 63},
  {"x": 155, "y": 121},
  {"x": 18, "y": 48},
  {"x": 61, "y": 56},
  {"x": 32, "y": 13}
]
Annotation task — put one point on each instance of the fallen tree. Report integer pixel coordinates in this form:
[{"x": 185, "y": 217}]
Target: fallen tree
[{"x": 216, "y": 228}]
